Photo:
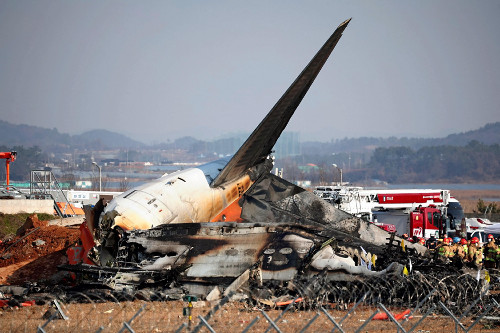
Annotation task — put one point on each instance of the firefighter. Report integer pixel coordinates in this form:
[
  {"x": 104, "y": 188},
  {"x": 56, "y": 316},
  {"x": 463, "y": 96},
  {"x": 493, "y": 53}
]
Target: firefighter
[
  {"x": 490, "y": 253},
  {"x": 421, "y": 241},
  {"x": 475, "y": 254},
  {"x": 462, "y": 249},
  {"x": 491, "y": 238},
  {"x": 445, "y": 250},
  {"x": 438, "y": 250},
  {"x": 432, "y": 243},
  {"x": 497, "y": 259},
  {"x": 455, "y": 245},
  {"x": 450, "y": 253}
]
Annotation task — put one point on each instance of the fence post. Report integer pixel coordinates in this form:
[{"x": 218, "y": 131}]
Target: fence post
[
  {"x": 309, "y": 323},
  {"x": 282, "y": 313},
  {"x": 58, "y": 312},
  {"x": 271, "y": 322},
  {"x": 457, "y": 322},
  {"x": 332, "y": 320},
  {"x": 251, "y": 324},
  {"x": 214, "y": 310},
  {"x": 202, "y": 320},
  {"x": 391, "y": 317},
  {"x": 126, "y": 325}
]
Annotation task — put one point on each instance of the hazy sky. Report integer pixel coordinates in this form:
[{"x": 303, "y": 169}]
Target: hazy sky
[{"x": 157, "y": 70}]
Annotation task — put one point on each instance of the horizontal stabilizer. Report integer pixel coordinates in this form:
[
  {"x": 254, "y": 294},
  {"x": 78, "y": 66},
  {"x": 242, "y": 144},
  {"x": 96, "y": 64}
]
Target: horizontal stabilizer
[{"x": 260, "y": 143}]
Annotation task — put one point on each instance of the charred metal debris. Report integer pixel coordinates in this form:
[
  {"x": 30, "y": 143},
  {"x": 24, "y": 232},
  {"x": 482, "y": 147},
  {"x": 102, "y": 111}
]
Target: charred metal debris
[
  {"x": 298, "y": 234},
  {"x": 303, "y": 248}
]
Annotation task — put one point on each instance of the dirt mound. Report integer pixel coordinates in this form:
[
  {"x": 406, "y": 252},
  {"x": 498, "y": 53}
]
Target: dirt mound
[
  {"x": 31, "y": 223},
  {"x": 40, "y": 247}
]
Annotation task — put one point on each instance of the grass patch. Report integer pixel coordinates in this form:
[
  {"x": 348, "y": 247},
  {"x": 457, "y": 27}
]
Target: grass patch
[{"x": 9, "y": 223}]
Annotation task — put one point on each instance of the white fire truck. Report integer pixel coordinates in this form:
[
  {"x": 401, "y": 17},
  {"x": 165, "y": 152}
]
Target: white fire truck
[{"x": 416, "y": 212}]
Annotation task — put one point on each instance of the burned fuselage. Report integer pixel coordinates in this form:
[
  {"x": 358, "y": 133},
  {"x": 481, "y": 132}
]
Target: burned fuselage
[
  {"x": 156, "y": 233},
  {"x": 299, "y": 235},
  {"x": 199, "y": 194},
  {"x": 181, "y": 197},
  {"x": 216, "y": 253}
]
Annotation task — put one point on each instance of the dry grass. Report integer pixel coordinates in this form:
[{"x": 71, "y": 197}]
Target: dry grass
[{"x": 468, "y": 198}]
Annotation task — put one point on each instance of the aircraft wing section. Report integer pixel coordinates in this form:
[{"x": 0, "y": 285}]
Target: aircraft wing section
[{"x": 260, "y": 143}]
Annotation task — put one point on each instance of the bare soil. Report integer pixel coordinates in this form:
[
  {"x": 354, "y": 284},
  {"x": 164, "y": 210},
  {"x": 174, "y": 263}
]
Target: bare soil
[
  {"x": 34, "y": 254},
  {"x": 232, "y": 317}
]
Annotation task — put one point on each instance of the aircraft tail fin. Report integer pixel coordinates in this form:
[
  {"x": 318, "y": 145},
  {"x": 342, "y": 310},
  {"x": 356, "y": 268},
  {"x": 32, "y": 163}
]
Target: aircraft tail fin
[{"x": 260, "y": 143}]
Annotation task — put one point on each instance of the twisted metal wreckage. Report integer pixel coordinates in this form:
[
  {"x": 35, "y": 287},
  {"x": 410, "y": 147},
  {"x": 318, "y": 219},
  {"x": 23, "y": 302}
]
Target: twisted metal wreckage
[{"x": 158, "y": 234}]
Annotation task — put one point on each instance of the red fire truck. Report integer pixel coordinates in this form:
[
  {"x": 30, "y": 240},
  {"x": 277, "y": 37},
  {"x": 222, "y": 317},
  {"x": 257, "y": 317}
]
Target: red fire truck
[
  {"x": 427, "y": 221},
  {"x": 394, "y": 209}
]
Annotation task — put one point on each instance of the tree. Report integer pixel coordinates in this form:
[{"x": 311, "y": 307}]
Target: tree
[
  {"x": 484, "y": 208},
  {"x": 124, "y": 185},
  {"x": 27, "y": 159},
  {"x": 481, "y": 206}
]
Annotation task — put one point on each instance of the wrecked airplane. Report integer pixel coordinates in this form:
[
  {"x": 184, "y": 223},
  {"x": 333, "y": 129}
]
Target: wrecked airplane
[{"x": 163, "y": 231}]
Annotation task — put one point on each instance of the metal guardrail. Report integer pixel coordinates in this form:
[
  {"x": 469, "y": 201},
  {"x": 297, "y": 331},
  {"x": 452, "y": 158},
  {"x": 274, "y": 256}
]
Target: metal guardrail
[{"x": 43, "y": 184}]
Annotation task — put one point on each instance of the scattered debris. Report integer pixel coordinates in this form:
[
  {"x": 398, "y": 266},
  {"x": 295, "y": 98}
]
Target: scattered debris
[{"x": 39, "y": 242}]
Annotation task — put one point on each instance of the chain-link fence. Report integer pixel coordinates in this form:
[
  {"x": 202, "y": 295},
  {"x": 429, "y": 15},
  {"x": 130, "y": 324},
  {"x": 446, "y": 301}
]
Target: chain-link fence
[{"x": 465, "y": 305}]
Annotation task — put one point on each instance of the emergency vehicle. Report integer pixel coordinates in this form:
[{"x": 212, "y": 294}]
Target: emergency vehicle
[{"x": 416, "y": 212}]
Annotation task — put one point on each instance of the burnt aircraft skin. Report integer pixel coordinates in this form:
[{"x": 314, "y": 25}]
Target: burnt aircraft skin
[
  {"x": 221, "y": 251},
  {"x": 272, "y": 199},
  {"x": 301, "y": 235},
  {"x": 200, "y": 194}
]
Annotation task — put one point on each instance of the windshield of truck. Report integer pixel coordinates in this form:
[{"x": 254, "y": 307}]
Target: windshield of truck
[
  {"x": 476, "y": 233},
  {"x": 455, "y": 213},
  {"x": 436, "y": 219}
]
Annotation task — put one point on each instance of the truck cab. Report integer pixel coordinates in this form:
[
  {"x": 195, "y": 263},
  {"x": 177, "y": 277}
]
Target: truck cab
[{"x": 427, "y": 221}]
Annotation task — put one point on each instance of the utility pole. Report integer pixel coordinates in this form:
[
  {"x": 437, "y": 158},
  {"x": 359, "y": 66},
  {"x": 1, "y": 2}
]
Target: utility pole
[
  {"x": 340, "y": 170},
  {"x": 100, "y": 178}
]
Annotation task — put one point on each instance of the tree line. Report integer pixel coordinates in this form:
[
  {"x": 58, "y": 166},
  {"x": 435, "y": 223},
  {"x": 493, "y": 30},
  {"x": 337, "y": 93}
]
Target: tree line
[
  {"x": 473, "y": 162},
  {"x": 27, "y": 159}
]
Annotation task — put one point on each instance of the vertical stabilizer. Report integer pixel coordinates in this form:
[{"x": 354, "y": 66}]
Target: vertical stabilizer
[{"x": 260, "y": 143}]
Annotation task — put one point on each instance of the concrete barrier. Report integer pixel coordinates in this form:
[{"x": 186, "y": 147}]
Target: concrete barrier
[
  {"x": 16, "y": 206},
  {"x": 68, "y": 221}
]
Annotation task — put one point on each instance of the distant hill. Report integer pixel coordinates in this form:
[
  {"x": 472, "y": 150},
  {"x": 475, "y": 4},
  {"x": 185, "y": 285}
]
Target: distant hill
[
  {"x": 29, "y": 136},
  {"x": 488, "y": 134},
  {"x": 50, "y": 140},
  {"x": 104, "y": 138}
]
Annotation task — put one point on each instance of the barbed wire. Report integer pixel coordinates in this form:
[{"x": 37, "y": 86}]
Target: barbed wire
[{"x": 309, "y": 302}]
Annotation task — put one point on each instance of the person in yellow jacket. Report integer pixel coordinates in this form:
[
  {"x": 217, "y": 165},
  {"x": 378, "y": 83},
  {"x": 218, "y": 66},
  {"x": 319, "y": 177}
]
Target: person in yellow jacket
[
  {"x": 445, "y": 249},
  {"x": 462, "y": 248},
  {"x": 456, "y": 245},
  {"x": 449, "y": 253},
  {"x": 490, "y": 253},
  {"x": 475, "y": 253},
  {"x": 497, "y": 260}
]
